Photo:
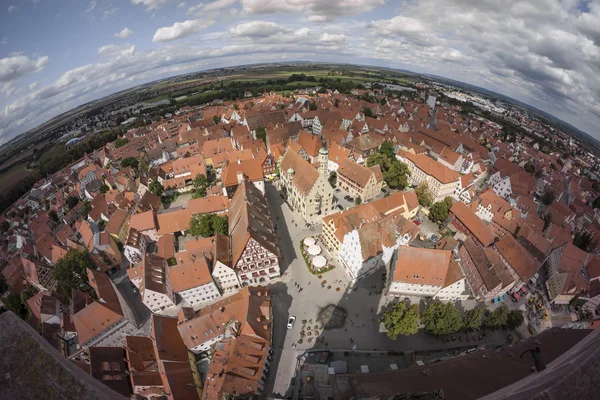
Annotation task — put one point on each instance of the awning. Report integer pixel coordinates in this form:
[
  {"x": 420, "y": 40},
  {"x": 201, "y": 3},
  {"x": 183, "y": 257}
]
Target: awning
[
  {"x": 524, "y": 289},
  {"x": 516, "y": 295}
]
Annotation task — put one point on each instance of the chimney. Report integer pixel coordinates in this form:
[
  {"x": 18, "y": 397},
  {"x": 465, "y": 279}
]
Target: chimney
[{"x": 239, "y": 162}]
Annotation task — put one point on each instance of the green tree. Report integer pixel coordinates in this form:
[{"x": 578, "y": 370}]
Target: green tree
[
  {"x": 472, "y": 318},
  {"x": 70, "y": 272},
  {"x": 53, "y": 216},
  {"x": 387, "y": 148},
  {"x": 358, "y": 201},
  {"x": 216, "y": 119},
  {"x": 368, "y": 112},
  {"x": 130, "y": 162},
  {"x": 401, "y": 320},
  {"x": 441, "y": 318},
  {"x": 155, "y": 187},
  {"x": 104, "y": 188},
  {"x": 548, "y": 197},
  {"x": 529, "y": 167},
  {"x": 207, "y": 225},
  {"x": 313, "y": 106},
  {"x": 424, "y": 195},
  {"x": 497, "y": 318},
  {"x": 337, "y": 102},
  {"x": 121, "y": 142},
  {"x": 547, "y": 220},
  {"x": 514, "y": 319},
  {"x": 439, "y": 211},
  {"x": 261, "y": 133},
  {"x": 397, "y": 175},
  {"x": 332, "y": 178},
  {"x": 72, "y": 201},
  {"x": 221, "y": 225},
  {"x": 380, "y": 159},
  {"x": 200, "y": 185},
  {"x": 14, "y": 303},
  {"x": 4, "y": 226},
  {"x": 143, "y": 166}
]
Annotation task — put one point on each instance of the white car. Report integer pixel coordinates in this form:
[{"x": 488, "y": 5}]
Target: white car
[{"x": 291, "y": 322}]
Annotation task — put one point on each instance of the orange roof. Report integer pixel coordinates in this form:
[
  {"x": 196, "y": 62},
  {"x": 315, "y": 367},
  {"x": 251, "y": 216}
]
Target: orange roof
[
  {"x": 189, "y": 275},
  {"x": 310, "y": 143},
  {"x": 251, "y": 168},
  {"x": 207, "y": 205},
  {"x": 143, "y": 221},
  {"x": 166, "y": 246},
  {"x": 305, "y": 175},
  {"x": 432, "y": 167},
  {"x": 523, "y": 263},
  {"x": 474, "y": 224},
  {"x": 116, "y": 221},
  {"x": 421, "y": 266},
  {"x": 359, "y": 174},
  {"x": 174, "y": 221}
]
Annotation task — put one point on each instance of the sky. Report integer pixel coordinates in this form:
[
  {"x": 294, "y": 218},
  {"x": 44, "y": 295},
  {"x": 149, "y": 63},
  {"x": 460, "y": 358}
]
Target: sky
[{"x": 58, "y": 54}]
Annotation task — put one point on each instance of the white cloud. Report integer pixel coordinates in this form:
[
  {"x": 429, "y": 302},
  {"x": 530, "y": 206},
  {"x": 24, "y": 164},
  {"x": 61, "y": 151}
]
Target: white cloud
[
  {"x": 91, "y": 6},
  {"x": 181, "y": 5},
  {"x": 110, "y": 12},
  {"x": 17, "y": 66},
  {"x": 33, "y": 85},
  {"x": 150, "y": 4},
  {"x": 317, "y": 10},
  {"x": 180, "y": 30},
  {"x": 12, "y": 8},
  {"x": 124, "y": 33},
  {"x": 258, "y": 29},
  {"x": 212, "y": 6},
  {"x": 118, "y": 51},
  {"x": 4, "y": 40}
]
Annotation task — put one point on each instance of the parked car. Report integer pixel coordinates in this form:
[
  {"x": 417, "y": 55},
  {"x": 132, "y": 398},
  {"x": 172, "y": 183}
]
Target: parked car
[
  {"x": 434, "y": 238},
  {"x": 416, "y": 222},
  {"x": 291, "y": 321},
  {"x": 339, "y": 207},
  {"x": 136, "y": 291},
  {"x": 384, "y": 191},
  {"x": 351, "y": 199}
]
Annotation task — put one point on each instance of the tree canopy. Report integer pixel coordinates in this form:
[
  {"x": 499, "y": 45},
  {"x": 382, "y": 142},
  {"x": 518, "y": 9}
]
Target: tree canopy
[
  {"x": 200, "y": 185},
  {"x": 497, "y": 318},
  {"x": 155, "y": 187},
  {"x": 261, "y": 133},
  {"x": 14, "y": 303},
  {"x": 70, "y": 272},
  {"x": 441, "y": 318},
  {"x": 439, "y": 211},
  {"x": 130, "y": 162},
  {"x": 424, "y": 195},
  {"x": 208, "y": 225},
  {"x": 472, "y": 318},
  {"x": 72, "y": 201},
  {"x": 121, "y": 142},
  {"x": 548, "y": 197},
  {"x": 368, "y": 112},
  {"x": 395, "y": 173},
  {"x": 514, "y": 319},
  {"x": 401, "y": 320}
]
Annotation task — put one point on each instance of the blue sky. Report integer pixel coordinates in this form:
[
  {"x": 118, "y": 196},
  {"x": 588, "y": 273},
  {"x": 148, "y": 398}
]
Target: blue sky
[{"x": 55, "y": 55}]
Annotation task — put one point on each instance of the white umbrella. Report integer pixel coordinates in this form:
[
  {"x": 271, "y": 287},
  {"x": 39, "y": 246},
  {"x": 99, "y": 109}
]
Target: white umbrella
[
  {"x": 309, "y": 241},
  {"x": 314, "y": 250},
  {"x": 319, "y": 261}
]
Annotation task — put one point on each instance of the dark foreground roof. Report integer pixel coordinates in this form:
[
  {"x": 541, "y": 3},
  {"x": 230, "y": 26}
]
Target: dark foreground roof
[
  {"x": 466, "y": 377},
  {"x": 31, "y": 369}
]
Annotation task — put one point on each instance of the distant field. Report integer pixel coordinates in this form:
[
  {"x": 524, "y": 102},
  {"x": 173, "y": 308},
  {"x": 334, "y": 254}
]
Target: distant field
[
  {"x": 13, "y": 176},
  {"x": 53, "y": 152}
]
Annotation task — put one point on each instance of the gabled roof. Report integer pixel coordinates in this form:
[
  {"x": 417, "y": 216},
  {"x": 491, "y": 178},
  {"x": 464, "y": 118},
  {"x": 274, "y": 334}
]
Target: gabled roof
[
  {"x": 358, "y": 173},
  {"x": 250, "y": 217},
  {"x": 189, "y": 275},
  {"x": 305, "y": 176},
  {"x": 523, "y": 263},
  {"x": 143, "y": 221},
  {"x": 476, "y": 226},
  {"x": 421, "y": 266}
]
